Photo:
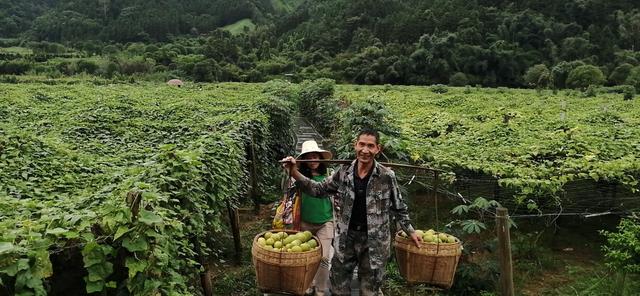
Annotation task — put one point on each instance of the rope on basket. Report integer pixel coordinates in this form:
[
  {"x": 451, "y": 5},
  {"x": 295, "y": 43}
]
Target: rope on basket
[{"x": 435, "y": 198}]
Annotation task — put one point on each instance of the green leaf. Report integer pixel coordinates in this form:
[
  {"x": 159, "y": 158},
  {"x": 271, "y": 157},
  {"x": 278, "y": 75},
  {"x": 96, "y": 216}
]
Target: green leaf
[
  {"x": 121, "y": 230},
  {"x": 135, "y": 266},
  {"x": 460, "y": 210},
  {"x": 149, "y": 218},
  {"x": 71, "y": 234},
  {"x": 23, "y": 264},
  {"x": 43, "y": 264},
  {"x": 138, "y": 244},
  {"x": 10, "y": 270},
  {"x": 480, "y": 203},
  {"x": 92, "y": 260},
  {"x": 94, "y": 286},
  {"x": 473, "y": 226},
  {"x": 100, "y": 271},
  {"x": 57, "y": 231},
  {"x": 6, "y": 248}
]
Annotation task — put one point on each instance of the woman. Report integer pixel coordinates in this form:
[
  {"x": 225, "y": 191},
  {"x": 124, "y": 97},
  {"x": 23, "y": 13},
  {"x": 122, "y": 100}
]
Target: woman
[{"x": 317, "y": 213}]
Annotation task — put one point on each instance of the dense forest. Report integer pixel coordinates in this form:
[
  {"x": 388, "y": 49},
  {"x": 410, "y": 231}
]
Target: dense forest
[{"x": 543, "y": 43}]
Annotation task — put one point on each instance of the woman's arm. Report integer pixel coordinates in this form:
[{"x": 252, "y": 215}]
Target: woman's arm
[{"x": 316, "y": 189}]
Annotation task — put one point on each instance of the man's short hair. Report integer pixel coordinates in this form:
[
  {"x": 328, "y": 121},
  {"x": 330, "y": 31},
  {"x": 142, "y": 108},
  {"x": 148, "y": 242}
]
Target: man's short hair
[{"x": 369, "y": 132}]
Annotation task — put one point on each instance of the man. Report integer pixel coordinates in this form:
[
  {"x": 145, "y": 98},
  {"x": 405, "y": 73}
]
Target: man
[{"x": 366, "y": 193}]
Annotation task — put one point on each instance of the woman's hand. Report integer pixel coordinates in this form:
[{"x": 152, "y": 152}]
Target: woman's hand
[{"x": 288, "y": 163}]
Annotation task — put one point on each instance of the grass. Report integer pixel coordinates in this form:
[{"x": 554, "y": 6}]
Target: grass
[
  {"x": 16, "y": 50},
  {"x": 238, "y": 27},
  {"x": 285, "y": 5},
  {"x": 585, "y": 280},
  {"x": 240, "y": 280}
]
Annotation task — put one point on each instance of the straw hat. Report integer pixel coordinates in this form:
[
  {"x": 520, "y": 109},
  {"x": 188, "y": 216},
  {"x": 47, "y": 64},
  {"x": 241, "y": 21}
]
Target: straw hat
[{"x": 312, "y": 146}]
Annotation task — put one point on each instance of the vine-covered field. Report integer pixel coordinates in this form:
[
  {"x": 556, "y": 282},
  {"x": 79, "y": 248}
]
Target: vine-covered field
[
  {"x": 533, "y": 142},
  {"x": 129, "y": 181},
  {"x": 122, "y": 189}
]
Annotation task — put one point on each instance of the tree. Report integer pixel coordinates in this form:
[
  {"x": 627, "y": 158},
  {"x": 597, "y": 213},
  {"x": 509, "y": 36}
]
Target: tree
[
  {"x": 629, "y": 28},
  {"x": 622, "y": 248},
  {"x": 575, "y": 48},
  {"x": 221, "y": 46},
  {"x": 620, "y": 73},
  {"x": 561, "y": 71},
  {"x": 538, "y": 76},
  {"x": 202, "y": 72},
  {"x": 584, "y": 76},
  {"x": 458, "y": 79},
  {"x": 634, "y": 78}
]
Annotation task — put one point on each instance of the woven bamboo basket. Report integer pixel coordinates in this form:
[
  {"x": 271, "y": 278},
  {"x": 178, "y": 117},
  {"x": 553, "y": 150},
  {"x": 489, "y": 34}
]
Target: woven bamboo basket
[
  {"x": 282, "y": 272},
  {"x": 432, "y": 263}
]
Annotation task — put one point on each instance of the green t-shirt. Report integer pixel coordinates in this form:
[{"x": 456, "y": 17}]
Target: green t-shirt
[{"x": 316, "y": 210}]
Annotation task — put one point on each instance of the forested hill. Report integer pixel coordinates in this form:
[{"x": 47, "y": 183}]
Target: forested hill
[
  {"x": 128, "y": 20},
  {"x": 488, "y": 42}
]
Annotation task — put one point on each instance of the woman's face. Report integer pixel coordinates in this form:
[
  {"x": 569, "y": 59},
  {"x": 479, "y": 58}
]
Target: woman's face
[{"x": 312, "y": 156}]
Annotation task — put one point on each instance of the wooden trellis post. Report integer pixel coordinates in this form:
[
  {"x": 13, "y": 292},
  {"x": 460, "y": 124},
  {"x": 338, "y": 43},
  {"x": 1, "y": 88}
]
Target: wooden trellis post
[
  {"x": 254, "y": 179},
  {"x": 235, "y": 230},
  {"x": 504, "y": 252}
]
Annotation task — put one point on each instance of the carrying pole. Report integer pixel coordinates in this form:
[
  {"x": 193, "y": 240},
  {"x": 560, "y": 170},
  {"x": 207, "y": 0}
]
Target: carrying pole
[{"x": 387, "y": 164}]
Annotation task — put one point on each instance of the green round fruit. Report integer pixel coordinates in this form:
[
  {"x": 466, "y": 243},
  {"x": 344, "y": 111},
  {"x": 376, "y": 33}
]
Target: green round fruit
[
  {"x": 296, "y": 242},
  {"x": 268, "y": 235},
  {"x": 300, "y": 236},
  {"x": 262, "y": 241},
  {"x": 270, "y": 241},
  {"x": 305, "y": 247},
  {"x": 429, "y": 238},
  {"x": 442, "y": 236},
  {"x": 289, "y": 239},
  {"x": 308, "y": 235},
  {"x": 277, "y": 244},
  {"x": 296, "y": 249},
  {"x": 312, "y": 243}
]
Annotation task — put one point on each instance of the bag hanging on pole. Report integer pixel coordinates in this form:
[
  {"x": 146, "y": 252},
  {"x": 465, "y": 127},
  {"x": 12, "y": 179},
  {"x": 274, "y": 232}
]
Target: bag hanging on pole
[{"x": 287, "y": 214}]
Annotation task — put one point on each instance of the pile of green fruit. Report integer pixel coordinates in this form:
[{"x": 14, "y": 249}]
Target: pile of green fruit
[
  {"x": 284, "y": 242},
  {"x": 431, "y": 236}
]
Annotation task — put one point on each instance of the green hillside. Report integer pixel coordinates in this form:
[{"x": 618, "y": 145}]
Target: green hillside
[
  {"x": 516, "y": 44},
  {"x": 239, "y": 26}
]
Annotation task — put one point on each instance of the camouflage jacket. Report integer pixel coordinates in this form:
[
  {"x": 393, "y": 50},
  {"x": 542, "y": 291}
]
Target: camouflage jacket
[{"x": 383, "y": 198}]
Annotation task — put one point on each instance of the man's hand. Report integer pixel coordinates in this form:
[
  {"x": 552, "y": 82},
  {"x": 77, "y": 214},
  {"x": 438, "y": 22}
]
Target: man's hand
[{"x": 416, "y": 239}]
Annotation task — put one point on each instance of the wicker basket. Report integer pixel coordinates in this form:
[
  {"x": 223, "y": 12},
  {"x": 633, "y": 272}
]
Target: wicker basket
[
  {"x": 281, "y": 272},
  {"x": 432, "y": 263}
]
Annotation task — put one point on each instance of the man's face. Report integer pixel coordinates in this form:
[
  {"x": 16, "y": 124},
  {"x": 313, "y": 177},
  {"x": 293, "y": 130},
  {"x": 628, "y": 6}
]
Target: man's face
[{"x": 366, "y": 148}]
